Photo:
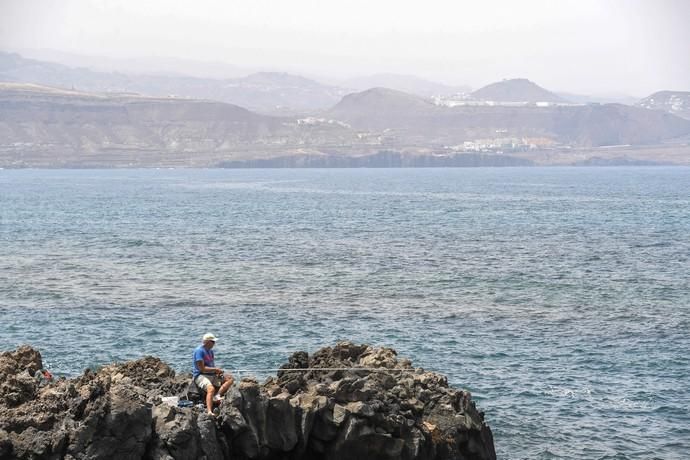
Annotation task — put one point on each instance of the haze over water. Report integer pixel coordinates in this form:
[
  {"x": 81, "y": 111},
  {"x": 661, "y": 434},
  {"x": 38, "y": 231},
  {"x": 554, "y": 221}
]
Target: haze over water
[{"x": 559, "y": 297}]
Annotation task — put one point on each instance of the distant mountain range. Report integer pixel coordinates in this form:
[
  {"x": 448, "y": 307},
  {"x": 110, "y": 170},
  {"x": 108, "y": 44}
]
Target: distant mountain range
[
  {"x": 598, "y": 99},
  {"x": 268, "y": 92},
  {"x": 144, "y": 65},
  {"x": 406, "y": 83},
  {"x": 263, "y": 92},
  {"x": 675, "y": 102},
  {"x": 142, "y": 120}
]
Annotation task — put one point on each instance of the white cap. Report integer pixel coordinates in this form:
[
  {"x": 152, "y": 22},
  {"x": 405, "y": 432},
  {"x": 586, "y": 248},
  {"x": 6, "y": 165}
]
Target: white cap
[{"x": 209, "y": 336}]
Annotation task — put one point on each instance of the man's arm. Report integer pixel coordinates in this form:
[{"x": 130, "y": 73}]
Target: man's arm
[{"x": 208, "y": 370}]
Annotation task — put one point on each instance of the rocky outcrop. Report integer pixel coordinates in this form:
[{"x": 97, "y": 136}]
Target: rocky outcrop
[{"x": 345, "y": 402}]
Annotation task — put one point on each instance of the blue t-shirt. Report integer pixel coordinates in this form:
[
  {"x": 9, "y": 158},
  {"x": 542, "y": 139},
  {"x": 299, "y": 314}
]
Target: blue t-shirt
[{"x": 202, "y": 354}]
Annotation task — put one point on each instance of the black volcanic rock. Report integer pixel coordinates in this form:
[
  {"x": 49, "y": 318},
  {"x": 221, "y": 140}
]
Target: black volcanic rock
[
  {"x": 350, "y": 402},
  {"x": 515, "y": 90},
  {"x": 382, "y": 159}
]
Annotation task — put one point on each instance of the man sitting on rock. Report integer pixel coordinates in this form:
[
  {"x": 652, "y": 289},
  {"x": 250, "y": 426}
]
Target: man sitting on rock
[{"x": 206, "y": 375}]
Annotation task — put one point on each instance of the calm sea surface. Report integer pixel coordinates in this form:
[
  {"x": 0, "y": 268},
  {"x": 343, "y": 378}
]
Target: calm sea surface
[{"x": 559, "y": 297}]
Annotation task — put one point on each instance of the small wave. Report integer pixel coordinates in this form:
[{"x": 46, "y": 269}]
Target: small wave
[
  {"x": 627, "y": 404},
  {"x": 570, "y": 393},
  {"x": 135, "y": 243},
  {"x": 616, "y": 456},
  {"x": 655, "y": 244},
  {"x": 549, "y": 454},
  {"x": 673, "y": 410},
  {"x": 239, "y": 185}
]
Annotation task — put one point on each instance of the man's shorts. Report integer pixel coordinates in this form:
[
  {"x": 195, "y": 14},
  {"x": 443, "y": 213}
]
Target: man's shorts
[{"x": 203, "y": 381}]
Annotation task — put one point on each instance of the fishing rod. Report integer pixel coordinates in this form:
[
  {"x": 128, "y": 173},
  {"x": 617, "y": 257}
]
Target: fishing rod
[{"x": 238, "y": 372}]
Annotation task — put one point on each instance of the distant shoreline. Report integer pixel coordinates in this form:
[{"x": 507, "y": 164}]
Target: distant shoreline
[
  {"x": 171, "y": 168},
  {"x": 656, "y": 155}
]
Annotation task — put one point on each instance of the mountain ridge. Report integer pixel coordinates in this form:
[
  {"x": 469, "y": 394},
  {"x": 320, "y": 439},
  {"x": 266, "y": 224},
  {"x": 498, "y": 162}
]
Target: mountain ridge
[
  {"x": 515, "y": 90},
  {"x": 405, "y": 83},
  {"x": 270, "y": 92}
]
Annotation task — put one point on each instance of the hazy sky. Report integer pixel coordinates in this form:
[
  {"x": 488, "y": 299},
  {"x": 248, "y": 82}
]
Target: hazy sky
[{"x": 596, "y": 46}]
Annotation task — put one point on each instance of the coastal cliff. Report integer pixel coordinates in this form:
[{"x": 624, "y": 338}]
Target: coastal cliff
[
  {"x": 44, "y": 127},
  {"x": 362, "y": 402}
]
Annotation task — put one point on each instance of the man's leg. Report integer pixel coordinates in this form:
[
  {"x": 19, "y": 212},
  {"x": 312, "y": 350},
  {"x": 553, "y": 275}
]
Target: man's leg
[
  {"x": 210, "y": 390},
  {"x": 227, "y": 383}
]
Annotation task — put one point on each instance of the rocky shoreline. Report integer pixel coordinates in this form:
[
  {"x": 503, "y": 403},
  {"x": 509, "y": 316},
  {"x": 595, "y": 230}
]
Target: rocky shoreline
[{"x": 340, "y": 411}]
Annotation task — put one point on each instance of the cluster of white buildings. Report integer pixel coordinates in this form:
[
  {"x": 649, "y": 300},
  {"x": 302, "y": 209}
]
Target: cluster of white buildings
[
  {"x": 501, "y": 144},
  {"x": 321, "y": 121},
  {"x": 463, "y": 101}
]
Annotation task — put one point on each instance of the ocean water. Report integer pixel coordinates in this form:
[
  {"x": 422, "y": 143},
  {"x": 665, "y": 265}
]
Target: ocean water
[{"x": 559, "y": 297}]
